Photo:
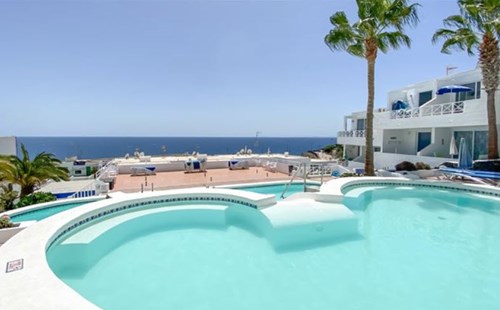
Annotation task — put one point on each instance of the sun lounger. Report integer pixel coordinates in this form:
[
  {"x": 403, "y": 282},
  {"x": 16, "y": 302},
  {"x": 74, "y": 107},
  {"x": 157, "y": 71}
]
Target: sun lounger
[
  {"x": 478, "y": 176},
  {"x": 238, "y": 164},
  {"x": 195, "y": 165},
  {"x": 143, "y": 171}
]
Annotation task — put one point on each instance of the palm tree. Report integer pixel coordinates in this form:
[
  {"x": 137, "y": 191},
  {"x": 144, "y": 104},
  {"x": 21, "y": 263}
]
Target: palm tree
[
  {"x": 478, "y": 27},
  {"x": 31, "y": 174},
  {"x": 380, "y": 27}
]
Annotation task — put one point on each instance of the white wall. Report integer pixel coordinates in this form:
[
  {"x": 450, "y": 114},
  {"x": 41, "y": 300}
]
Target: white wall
[
  {"x": 414, "y": 89},
  {"x": 400, "y": 141},
  {"x": 8, "y": 146},
  {"x": 386, "y": 160}
]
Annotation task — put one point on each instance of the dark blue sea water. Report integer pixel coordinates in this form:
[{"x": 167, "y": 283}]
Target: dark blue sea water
[{"x": 108, "y": 147}]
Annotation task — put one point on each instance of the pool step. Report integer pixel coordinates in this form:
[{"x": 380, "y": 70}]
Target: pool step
[{"x": 307, "y": 222}]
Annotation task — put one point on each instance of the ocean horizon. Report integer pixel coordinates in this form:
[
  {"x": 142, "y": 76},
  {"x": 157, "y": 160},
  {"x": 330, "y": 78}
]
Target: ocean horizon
[{"x": 111, "y": 147}]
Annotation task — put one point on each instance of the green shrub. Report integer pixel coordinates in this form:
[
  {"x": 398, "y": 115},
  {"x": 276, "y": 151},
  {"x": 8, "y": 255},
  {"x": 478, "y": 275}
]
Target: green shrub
[
  {"x": 35, "y": 198},
  {"x": 349, "y": 174},
  {"x": 7, "y": 197},
  {"x": 6, "y": 223},
  {"x": 405, "y": 166},
  {"x": 422, "y": 166},
  {"x": 329, "y": 148}
]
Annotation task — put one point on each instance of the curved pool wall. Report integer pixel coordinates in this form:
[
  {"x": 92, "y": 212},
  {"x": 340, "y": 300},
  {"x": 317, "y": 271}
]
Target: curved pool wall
[
  {"x": 47, "y": 205},
  {"x": 27, "y": 216},
  {"x": 46, "y": 291},
  {"x": 80, "y": 250}
]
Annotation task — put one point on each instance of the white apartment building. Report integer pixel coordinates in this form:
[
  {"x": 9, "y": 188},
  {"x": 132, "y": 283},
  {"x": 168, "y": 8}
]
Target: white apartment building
[{"x": 417, "y": 124}]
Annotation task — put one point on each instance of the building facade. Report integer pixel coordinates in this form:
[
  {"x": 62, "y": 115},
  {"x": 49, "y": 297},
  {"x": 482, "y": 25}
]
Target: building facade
[{"x": 418, "y": 124}]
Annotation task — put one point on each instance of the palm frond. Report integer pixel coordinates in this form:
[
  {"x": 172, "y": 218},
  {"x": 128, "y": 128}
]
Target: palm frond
[
  {"x": 339, "y": 19},
  {"x": 400, "y": 14},
  {"x": 393, "y": 40},
  {"x": 456, "y": 21}
]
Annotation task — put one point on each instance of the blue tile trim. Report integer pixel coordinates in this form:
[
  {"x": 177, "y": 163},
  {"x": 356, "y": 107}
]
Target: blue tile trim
[{"x": 146, "y": 203}]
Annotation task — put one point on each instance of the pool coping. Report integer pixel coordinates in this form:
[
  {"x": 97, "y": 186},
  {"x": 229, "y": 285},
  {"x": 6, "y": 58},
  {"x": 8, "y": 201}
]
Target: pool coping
[{"x": 46, "y": 291}]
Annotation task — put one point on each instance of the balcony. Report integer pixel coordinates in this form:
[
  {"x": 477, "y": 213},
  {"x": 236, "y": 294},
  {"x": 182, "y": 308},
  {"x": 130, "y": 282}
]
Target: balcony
[
  {"x": 449, "y": 114},
  {"x": 430, "y": 110},
  {"x": 351, "y": 133},
  {"x": 352, "y": 137}
]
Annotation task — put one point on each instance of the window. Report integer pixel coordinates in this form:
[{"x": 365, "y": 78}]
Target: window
[
  {"x": 474, "y": 94},
  {"x": 360, "y": 124},
  {"x": 480, "y": 145},
  {"x": 424, "y": 97}
]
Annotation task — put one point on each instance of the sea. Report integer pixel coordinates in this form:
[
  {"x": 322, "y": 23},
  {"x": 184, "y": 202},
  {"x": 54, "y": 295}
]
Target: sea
[{"x": 112, "y": 147}]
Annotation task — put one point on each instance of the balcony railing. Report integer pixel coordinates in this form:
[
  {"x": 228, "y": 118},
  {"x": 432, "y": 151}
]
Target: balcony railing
[
  {"x": 430, "y": 110},
  {"x": 352, "y": 134}
]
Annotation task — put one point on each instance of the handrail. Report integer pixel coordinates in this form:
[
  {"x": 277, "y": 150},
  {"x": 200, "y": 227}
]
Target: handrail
[
  {"x": 428, "y": 102},
  {"x": 429, "y": 110},
  {"x": 291, "y": 180},
  {"x": 308, "y": 169}
]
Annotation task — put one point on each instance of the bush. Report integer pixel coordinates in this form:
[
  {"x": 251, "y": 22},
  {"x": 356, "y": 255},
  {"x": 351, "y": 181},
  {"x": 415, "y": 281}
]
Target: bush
[
  {"x": 405, "y": 166},
  {"x": 329, "y": 148},
  {"x": 422, "y": 166},
  {"x": 349, "y": 174},
  {"x": 35, "y": 198},
  {"x": 7, "y": 197},
  {"x": 6, "y": 223}
]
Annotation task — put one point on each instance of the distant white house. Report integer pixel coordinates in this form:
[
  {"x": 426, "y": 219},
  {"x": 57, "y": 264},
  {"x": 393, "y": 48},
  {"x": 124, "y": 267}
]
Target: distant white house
[
  {"x": 417, "y": 124},
  {"x": 8, "y": 146}
]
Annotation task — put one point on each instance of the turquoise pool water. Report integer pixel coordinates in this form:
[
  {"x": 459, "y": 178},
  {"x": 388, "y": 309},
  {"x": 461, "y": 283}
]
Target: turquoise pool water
[
  {"x": 418, "y": 249},
  {"x": 40, "y": 214}
]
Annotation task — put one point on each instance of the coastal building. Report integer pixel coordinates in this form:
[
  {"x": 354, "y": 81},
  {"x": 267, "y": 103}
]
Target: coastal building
[
  {"x": 420, "y": 124},
  {"x": 8, "y": 146}
]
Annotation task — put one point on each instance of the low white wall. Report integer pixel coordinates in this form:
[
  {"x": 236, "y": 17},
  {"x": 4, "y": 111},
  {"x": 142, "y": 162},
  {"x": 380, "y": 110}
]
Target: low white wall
[{"x": 388, "y": 160}]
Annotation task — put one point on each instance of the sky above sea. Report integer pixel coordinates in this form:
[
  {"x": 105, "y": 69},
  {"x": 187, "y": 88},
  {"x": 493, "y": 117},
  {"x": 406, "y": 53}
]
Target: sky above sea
[{"x": 195, "y": 68}]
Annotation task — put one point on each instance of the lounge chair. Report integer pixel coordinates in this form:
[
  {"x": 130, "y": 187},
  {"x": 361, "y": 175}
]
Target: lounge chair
[
  {"x": 234, "y": 164},
  {"x": 477, "y": 176}
]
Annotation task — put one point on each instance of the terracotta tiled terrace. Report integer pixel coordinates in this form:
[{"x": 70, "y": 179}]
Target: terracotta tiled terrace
[{"x": 180, "y": 179}]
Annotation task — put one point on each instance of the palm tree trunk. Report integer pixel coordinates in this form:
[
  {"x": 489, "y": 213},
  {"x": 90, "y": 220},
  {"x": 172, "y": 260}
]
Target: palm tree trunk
[
  {"x": 492, "y": 125},
  {"x": 369, "y": 168},
  {"x": 490, "y": 67},
  {"x": 26, "y": 190}
]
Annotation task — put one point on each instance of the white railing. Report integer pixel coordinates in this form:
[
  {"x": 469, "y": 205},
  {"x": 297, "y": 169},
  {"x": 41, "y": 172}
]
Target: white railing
[
  {"x": 352, "y": 133},
  {"x": 87, "y": 191},
  {"x": 429, "y": 110}
]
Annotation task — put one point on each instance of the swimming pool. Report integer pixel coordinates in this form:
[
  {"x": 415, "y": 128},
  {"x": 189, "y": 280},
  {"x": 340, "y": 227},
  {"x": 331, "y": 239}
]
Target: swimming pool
[
  {"x": 40, "y": 214},
  {"x": 44, "y": 210},
  {"x": 417, "y": 248}
]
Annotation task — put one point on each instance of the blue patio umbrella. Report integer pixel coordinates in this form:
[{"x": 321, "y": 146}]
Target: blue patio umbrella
[
  {"x": 453, "y": 89},
  {"x": 464, "y": 155}
]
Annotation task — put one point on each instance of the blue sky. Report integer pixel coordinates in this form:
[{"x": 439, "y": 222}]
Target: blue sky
[{"x": 195, "y": 68}]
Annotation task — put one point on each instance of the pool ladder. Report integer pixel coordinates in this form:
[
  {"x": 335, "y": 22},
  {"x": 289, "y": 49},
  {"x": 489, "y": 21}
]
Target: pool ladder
[{"x": 303, "y": 168}]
